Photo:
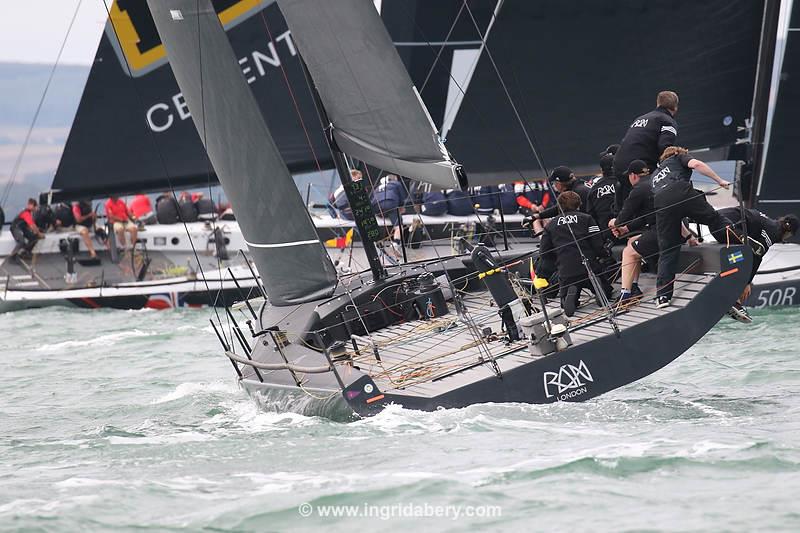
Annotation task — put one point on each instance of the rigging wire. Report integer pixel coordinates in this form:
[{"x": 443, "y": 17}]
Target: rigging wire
[
  {"x": 163, "y": 164},
  {"x": 217, "y": 235},
  {"x": 592, "y": 277},
  {"x": 18, "y": 162},
  {"x": 441, "y": 49}
]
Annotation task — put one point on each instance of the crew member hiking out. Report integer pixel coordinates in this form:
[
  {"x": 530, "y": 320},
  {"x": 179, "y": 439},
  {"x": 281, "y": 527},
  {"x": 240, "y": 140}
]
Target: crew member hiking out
[
  {"x": 646, "y": 139},
  {"x": 674, "y": 197},
  {"x": 559, "y": 239},
  {"x": 767, "y": 232},
  {"x": 600, "y": 203},
  {"x": 25, "y": 231}
]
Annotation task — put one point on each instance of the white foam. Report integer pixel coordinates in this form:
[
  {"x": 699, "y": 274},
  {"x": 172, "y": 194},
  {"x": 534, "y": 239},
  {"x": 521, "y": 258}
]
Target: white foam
[
  {"x": 187, "y": 483},
  {"x": 193, "y": 389},
  {"x": 35, "y": 506},
  {"x": 172, "y": 438},
  {"x": 74, "y": 482},
  {"x": 109, "y": 339},
  {"x": 706, "y": 447}
]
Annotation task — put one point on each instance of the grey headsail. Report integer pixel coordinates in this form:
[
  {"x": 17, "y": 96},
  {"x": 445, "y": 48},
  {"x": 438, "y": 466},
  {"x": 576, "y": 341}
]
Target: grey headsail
[
  {"x": 376, "y": 113},
  {"x": 280, "y": 235}
]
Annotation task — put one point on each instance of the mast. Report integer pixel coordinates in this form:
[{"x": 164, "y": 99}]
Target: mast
[
  {"x": 357, "y": 195},
  {"x": 275, "y": 223},
  {"x": 761, "y": 94}
]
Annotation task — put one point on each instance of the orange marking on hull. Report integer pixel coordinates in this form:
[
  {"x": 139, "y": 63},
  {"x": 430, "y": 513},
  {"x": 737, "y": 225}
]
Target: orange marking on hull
[
  {"x": 729, "y": 272},
  {"x": 375, "y": 398}
]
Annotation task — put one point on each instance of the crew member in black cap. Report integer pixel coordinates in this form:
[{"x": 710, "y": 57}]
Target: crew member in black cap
[
  {"x": 767, "y": 232},
  {"x": 563, "y": 179},
  {"x": 569, "y": 237},
  {"x": 647, "y": 138},
  {"x": 600, "y": 203},
  {"x": 674, "y": 198}
]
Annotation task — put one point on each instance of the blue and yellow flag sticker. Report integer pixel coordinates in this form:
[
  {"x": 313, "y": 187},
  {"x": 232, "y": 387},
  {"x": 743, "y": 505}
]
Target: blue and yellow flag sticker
[{"x": 735, "y": 257}]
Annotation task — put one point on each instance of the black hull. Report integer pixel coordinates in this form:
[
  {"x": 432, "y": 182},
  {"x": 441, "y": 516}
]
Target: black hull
[
  {"x": 612, "y": 361},
  {"x": 579, "y": 373}
]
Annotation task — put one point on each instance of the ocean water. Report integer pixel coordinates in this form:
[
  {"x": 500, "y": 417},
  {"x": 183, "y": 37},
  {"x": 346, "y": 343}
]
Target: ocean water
[{"x": 132, "y": 421}]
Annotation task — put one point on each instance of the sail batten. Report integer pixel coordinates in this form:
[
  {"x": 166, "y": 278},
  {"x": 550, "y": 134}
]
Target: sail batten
[
  {"x": 282, "y": 240},
  {"x": 375, "y": 111}
]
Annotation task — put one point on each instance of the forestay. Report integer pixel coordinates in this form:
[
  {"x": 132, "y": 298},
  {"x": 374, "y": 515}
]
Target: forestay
[{"x": 375, "y": 111}]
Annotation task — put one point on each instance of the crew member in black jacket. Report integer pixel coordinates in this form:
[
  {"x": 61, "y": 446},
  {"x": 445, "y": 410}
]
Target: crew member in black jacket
[
  {"x": 674, "y": 198},
  {"x": 647, "y": 138},
  {"x": 559, "y": 239},
  {"x": 563, "y": 179},
  {"x": 637, "y": 216},
  {"x": 767, "y": 232},
  {"x": 600, "y": 203}
]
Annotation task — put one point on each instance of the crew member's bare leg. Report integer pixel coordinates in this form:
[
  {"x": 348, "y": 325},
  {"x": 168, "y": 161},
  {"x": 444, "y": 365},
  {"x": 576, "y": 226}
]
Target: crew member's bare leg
[
  {"x": 119, "y": 229},
  {"x": 134, "y": 231},
  {"x": 631, "y": 265},
  {"x": 87, "y": 240}
]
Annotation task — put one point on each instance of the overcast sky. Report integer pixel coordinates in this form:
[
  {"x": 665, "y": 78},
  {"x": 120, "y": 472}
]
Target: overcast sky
[{"x": 31, "y": 31}]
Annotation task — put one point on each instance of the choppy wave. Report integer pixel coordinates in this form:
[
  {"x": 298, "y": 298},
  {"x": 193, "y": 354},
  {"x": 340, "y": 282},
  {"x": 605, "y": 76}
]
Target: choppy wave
[
  {"x": 108, "y": 340},
  {"x": 194, "y": 389},
  {"x": 140, "y": 425}
]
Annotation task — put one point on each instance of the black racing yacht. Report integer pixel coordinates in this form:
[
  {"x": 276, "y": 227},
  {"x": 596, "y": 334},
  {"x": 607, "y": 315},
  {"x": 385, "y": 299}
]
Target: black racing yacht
[{"x": 449, "y": 331}]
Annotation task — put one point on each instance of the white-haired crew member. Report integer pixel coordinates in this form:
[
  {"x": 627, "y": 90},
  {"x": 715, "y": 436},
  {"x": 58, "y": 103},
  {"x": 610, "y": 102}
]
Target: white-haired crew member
[
  {"x": 646, "y": 139},
  {"x": 674, "y": 197}
]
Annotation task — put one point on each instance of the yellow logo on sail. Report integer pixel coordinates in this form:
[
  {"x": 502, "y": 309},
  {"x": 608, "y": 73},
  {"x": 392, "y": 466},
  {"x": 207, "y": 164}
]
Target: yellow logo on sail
[{"x": 129, "y": 35}]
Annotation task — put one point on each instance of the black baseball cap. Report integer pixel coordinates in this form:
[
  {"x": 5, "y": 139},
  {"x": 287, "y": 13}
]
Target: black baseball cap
[
  {"x": 562, "y": 174},
  {"x": 637, "y": 166},
  {"x": 607, "y": 163}
]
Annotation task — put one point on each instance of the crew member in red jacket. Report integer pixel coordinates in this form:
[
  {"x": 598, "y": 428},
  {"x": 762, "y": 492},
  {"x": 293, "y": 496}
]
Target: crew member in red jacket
[
  {"x": 122, "y": 220},
  {"x": 25, "y": 230}
]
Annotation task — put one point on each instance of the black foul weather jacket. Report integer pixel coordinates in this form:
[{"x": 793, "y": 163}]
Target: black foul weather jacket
[
  {"x": 600, "y": 203},
  {"x": 638, "y": 212},
  {"x": 559, "y": 239},
  {"x": 647, "y": 137}
]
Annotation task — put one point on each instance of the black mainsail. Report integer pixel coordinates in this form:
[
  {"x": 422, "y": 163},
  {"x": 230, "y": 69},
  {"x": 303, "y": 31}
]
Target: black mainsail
[
  {"x": 133, "y": 129},
  {"x": 578, "y": 72},
  {"x": 776, "y": 189},
  {"x": 280, "y": 235}
]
